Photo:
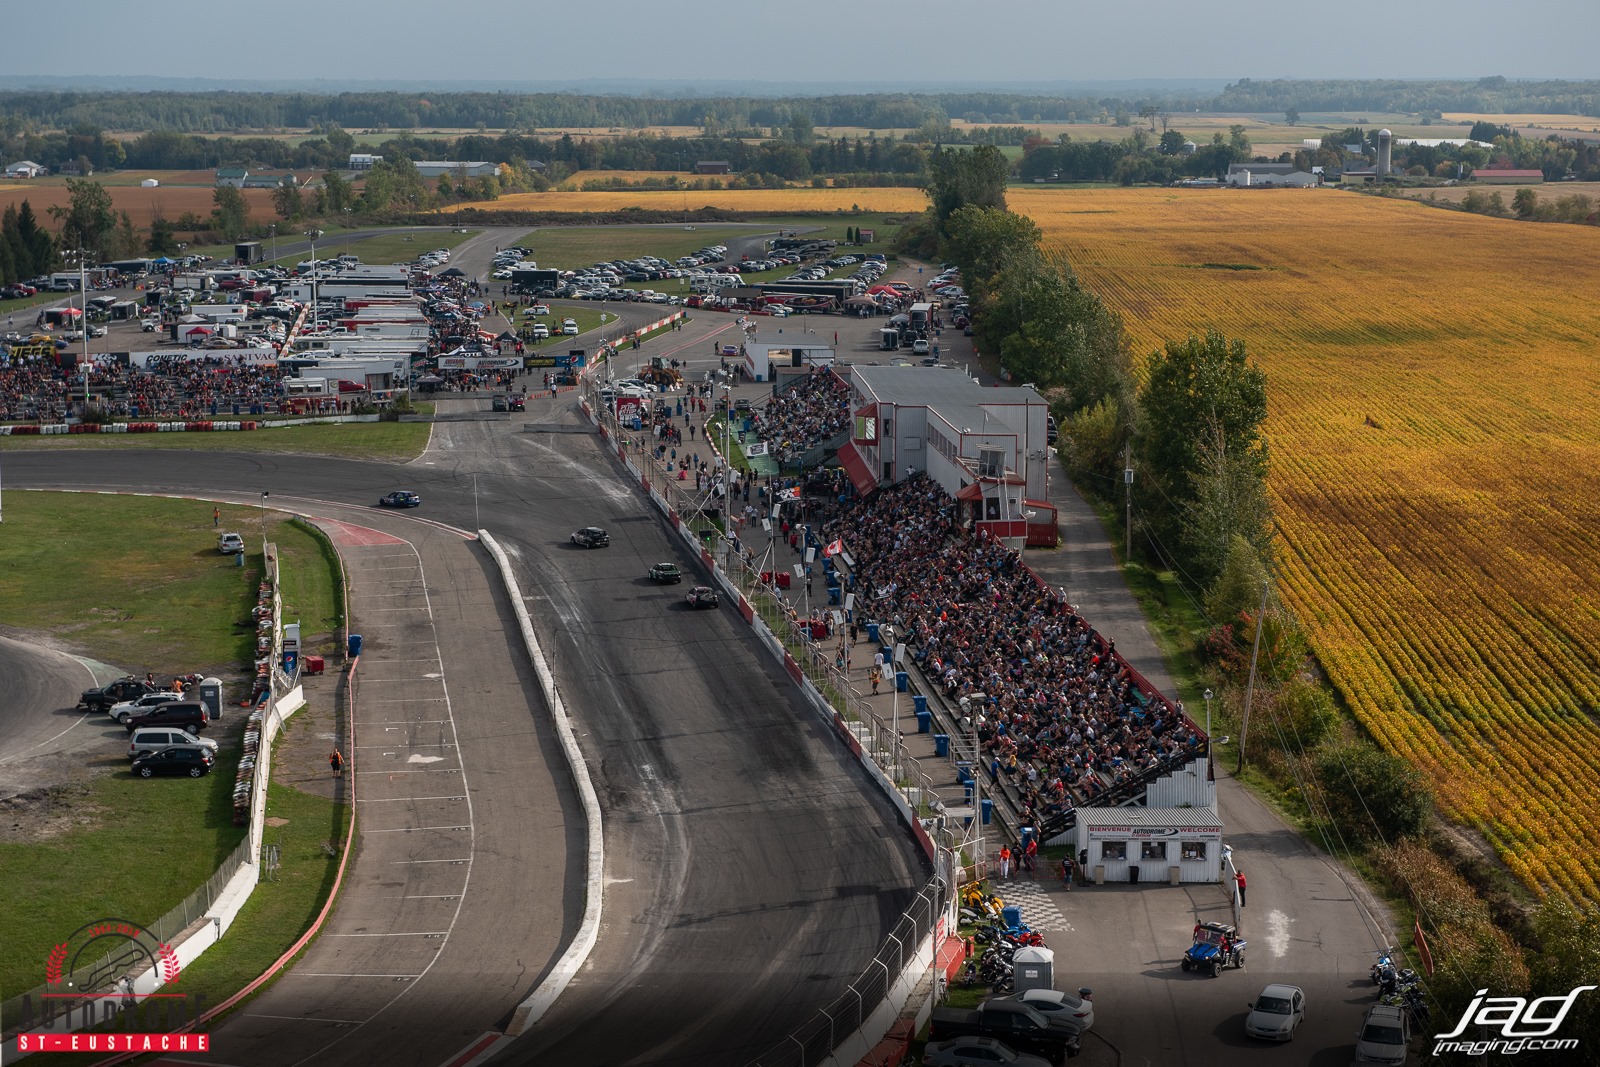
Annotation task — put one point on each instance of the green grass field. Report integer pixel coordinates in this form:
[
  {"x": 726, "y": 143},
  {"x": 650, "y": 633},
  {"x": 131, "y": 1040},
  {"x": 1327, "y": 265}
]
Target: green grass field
[
  {"x": 571, "y": 247},
  {"x": 167, "y": 602},
  {"x": 396, "y": 442}
]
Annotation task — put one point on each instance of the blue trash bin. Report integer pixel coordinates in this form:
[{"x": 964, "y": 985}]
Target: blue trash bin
[
  {"x": 919, "y": 702},
  {"x": 355, "y": 645},
  {"x": 1027, "y": 835},
  {"x": 1011, "y": 915},
  {"x": 902, "y": 681},
  {"x": 833, "y": 595},
  {"x": 924, "y": 722},
  {"x": 971, "y": 789},
  {"x": 872, "y": 632},
  {"x": 988, "y": 810},
  {"x": 941, "y": 745},
  {"x": 964, "y": 772}
]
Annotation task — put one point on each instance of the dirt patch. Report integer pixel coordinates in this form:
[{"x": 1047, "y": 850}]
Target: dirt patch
[
  {"x": 273, "y": 820},
  {"x": 45, "y": 812}
]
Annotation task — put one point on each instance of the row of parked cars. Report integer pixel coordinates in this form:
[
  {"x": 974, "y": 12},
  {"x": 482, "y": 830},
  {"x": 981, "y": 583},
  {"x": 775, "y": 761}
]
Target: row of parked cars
[{"x": 164, "y": 726}]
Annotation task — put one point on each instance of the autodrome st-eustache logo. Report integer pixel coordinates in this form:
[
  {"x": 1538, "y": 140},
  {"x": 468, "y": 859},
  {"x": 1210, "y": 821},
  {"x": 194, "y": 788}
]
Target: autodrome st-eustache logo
[
  {"x": 90, "y": 1002},
  {"x": 1524, "y": 1025}
]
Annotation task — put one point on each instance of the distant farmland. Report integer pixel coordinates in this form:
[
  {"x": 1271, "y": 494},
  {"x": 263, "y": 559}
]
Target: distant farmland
[
  {"x": 142, "y": 205},
  {"x": 1436, "y": 468}
]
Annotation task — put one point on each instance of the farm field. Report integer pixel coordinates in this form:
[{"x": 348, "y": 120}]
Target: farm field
[
  {"x": 142, "y": 205},
  {"x": 1548, "y": 192},
  {"x": 1588, "y": 123},
  {"x": 1436, "y": 468},
  {"x": 569, "y": 247},
  {"x": 773, "y": 200}
]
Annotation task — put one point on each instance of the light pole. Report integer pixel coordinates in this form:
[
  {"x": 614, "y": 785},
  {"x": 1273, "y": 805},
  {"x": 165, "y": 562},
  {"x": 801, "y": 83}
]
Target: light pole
[
  {"x": 263, "y": 521},
  {"x": 272, "y": 228},
  {"x": 1127, "y": 483},
  {"x": 82, "y": 256},
  {"x": 316, "y": 311},
  {"x": 1208, "y": 722}
]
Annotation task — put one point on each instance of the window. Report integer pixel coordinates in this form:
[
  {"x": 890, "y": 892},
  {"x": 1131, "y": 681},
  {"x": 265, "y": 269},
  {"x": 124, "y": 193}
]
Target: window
[
  {"x": 1192, "y": 850},
  {"x": 888, "y": 427},
  {"x": 1113, "y": 850},
  {"x": 1152, "y": 850}
]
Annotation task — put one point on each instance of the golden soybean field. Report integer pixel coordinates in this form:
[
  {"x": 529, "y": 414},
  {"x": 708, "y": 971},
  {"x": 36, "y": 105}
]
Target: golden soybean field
[{"x": 1434, "y": 419}]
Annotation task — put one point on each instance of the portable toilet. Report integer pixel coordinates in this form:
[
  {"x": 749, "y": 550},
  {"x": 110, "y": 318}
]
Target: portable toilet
[
  {"x": 210, "y": 694},
  {"x": 1034, "y": 968}
]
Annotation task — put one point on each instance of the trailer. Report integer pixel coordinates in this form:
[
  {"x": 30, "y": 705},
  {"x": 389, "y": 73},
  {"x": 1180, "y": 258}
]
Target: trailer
[{"x": 535, "y": 278}]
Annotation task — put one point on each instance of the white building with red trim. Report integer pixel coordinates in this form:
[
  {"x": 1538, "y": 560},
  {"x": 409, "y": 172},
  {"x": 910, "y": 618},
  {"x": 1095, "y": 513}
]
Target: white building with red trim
[{"x": 986, "y": 446}]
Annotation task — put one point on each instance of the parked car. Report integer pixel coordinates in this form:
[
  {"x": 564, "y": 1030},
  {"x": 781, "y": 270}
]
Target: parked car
[
  {"x": 978, "y": 1052},
  {"x": 1276, "y": 1012},
  {"x": 191, "y": 715},
  {"x": 125, "y": 712},
  {"x": 102, "y": 698},
  {"x": 1385, "y": 1035},
  {"x": 230, "y": 544},
  {"x": 400, "y": 498},
  {"x": 591, "y": 537},
  {"x": 194, "y": 762},
  {"x": 920, "y": 347},
  {"x": 160, "y": 738},
  {"x": 702, "y": 596},
  {"x": 1052, "y": 1003},
  {"x": 666, "y": 573}
]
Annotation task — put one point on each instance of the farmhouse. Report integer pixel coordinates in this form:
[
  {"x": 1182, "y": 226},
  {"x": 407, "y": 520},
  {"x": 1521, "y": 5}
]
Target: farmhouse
[
  {"x": 363, "y": 161},
  {"x": 233, "y": 176},
  {"x": 713, "y": 166},
  {"x": 26, "y": 168},
  {"x": 75, "y": 169},
  {"x": 1258, "y": 174},
  {"x": 1508, "y": 176},
  {"x": 434, "y": 168}
]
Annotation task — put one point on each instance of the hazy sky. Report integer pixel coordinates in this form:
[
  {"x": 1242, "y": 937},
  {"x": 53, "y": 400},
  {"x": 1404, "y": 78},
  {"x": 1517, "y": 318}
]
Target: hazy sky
[{"x": 809, "y": 40}]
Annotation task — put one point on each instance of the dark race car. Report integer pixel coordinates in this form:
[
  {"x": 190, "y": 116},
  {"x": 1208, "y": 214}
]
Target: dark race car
[
  {"x": 702, "y": 596},
  {"x": 591, "y": 537},
  {"x": 666, "y": 573},
  {"x": 400, "y": 498}
]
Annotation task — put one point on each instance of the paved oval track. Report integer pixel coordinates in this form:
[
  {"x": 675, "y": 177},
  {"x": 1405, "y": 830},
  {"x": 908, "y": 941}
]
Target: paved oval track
[{"x": 752, "y": 869}]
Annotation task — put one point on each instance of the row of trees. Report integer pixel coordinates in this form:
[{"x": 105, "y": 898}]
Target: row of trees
[
  {"x": 26, "y": 249},
  {"x": 215, "y": 112}
]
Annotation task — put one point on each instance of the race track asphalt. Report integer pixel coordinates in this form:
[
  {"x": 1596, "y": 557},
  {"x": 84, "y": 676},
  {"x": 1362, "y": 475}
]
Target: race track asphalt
[
  {"x": 37, "y": 716},
  {"x": 752, "y": 870}
]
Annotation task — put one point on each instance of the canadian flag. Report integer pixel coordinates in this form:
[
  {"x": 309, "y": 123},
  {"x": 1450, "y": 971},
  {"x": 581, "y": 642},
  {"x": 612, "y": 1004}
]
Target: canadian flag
[{"x": 834, "y": 549}]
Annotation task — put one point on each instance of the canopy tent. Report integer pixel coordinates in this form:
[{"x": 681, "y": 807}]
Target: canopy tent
[
  {"x": 162, "y": 261},
  {"x": 453, "y": 272}
]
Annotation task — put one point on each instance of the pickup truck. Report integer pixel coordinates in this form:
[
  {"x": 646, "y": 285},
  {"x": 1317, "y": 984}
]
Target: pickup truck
[
  {"x": 123, "y": 689},
  {"x": 185, "y": 714},
  {"x": 1011, "y": 1022}
]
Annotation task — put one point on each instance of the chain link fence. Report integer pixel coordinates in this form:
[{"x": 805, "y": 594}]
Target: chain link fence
[
  {"x": 814, "y": 1041},
  {"x": 104, "y": 971}
]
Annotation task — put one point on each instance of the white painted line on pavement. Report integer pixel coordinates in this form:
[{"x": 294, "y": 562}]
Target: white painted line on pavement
[
  {"x": 393, "y": 800},
  {"x": 414, "y": 829},
  {"x": 299, "y": 1019},
  {"x": 402, "y": 863},
  {"x": 403, "y": 933}
]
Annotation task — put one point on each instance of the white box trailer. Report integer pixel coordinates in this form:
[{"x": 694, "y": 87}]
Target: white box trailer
[{"x": 221, "y": 312}]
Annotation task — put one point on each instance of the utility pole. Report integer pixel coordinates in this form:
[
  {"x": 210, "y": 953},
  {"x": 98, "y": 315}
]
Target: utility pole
[
  {"x": 1250, "y": 686},
  {"x": 1127, "y": 486}
]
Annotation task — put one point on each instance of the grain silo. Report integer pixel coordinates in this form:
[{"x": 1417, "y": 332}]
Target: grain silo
[{"x": 1385, "y": 152}]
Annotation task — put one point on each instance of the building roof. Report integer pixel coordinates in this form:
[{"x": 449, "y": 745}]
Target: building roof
[
  {"x": 712, "y": 163},
  {"x": 232, "y": 172},
  {"x": 1150, "y": 818},
  {"x": 1506, "y": 172},
  {"x": 21, "y": 163},
  {"x": 453, "y": 163},
  {"x": 1262, "y": 168},
  {"x": 945, "y": 390}
]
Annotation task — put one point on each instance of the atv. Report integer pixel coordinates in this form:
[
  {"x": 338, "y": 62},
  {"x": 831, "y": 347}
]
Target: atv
[{"x": 1216, "y": 945}]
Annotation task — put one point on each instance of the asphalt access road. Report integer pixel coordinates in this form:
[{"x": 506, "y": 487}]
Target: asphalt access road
[
  {"x": 752, "y": 869},
  {"x": 38, "y": 717}
]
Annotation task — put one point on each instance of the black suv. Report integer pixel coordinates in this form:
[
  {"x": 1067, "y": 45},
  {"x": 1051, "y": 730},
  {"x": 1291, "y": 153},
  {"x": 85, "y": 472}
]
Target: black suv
[
  {"x": 123, "y": 689},
  {"x": 192, "y": 761},
  {"x": 187, "y": 714}
]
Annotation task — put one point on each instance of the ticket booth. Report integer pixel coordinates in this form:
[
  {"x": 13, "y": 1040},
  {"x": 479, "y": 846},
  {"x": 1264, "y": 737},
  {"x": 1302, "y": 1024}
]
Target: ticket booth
[{"x": 1145, "y": 845}]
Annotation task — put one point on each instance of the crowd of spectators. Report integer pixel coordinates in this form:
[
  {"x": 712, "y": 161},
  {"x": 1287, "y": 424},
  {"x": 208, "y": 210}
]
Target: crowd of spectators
[
  {"x": 811, "y": 411},
  {"x": 41, "y": 390},
  {"x": 1052, "y": 707}
]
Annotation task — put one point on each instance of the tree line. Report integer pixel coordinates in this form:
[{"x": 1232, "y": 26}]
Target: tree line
[{"x": 216, "y": 112}]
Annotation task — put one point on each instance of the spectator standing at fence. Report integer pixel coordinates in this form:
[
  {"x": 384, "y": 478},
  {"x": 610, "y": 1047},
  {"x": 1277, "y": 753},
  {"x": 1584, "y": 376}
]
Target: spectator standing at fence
[
  {"x": 1005, "y": 861},
  {"x": 216, "y": 517},
  {"x": 336, "y": 761},
  {"x": 1030, "y": 855}
]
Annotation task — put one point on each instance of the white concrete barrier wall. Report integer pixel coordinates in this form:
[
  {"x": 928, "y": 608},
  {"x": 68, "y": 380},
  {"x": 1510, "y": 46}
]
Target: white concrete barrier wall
[{"x": 542, "y": 998}]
